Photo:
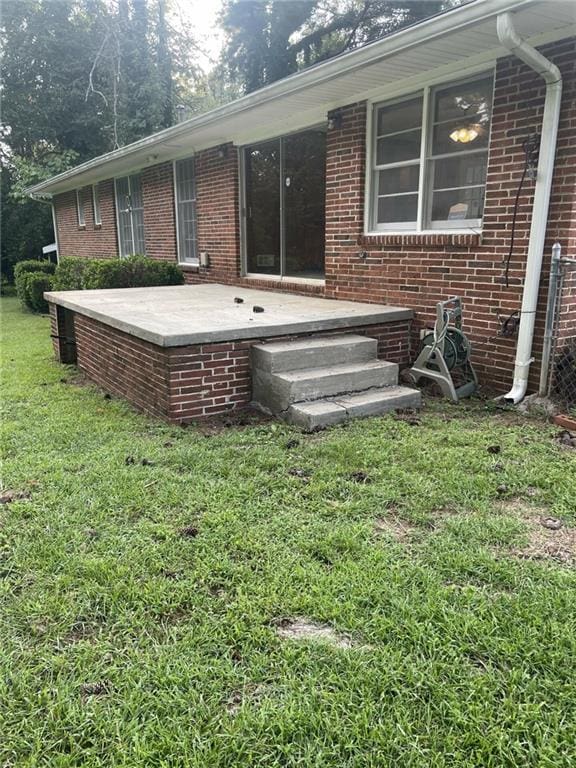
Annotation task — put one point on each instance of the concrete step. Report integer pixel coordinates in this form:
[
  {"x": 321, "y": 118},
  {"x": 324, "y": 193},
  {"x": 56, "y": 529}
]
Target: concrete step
[
  {"x": 313, "y": 352},
  {"x": 326, "y": 412},
  {"x": 276, "y": 392}
]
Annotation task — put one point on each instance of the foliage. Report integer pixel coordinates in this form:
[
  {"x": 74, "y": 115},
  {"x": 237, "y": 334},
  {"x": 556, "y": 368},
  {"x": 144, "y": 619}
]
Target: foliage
[
  {"x": 32, "y": 265},
  {"x": 35, "y": 284},
  {"x": 69, "y": 275},
  {"x": 127, "y": 643},
  {"x": 74, "y": 273},
  {"x": 79, "y": 78},
  {"x": 132, "y": 272},
  {"x": 269, "y": 39},
  {"x": 22, "y": 271}
]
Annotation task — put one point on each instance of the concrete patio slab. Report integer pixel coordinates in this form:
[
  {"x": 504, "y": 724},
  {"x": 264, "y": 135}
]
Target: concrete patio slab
[{"x": 174, "y": 316}]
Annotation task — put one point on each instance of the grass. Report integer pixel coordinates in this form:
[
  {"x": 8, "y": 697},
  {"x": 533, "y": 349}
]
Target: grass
[{"x": 139, "y": 602}]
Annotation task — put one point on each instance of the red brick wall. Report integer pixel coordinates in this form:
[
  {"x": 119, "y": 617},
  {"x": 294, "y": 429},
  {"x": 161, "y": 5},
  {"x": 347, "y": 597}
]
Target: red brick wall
[
  {"x": 159, "y": 215},
  {"x": 91, "y": 241},
  {"x": 217, "y": 211},
  {"x": 184, "y": 383},
  {"x": 419, "y": 270},
  {"x": 123, "y": 365}
]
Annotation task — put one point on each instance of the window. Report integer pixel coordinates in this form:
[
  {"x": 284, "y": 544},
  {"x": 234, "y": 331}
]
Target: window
[
  {"x": 80, "y": 209},
  {"x": 130, "y": 212},
  {"x": 96, "y": 206},
  {"x": 429, "y": 158},
  {"x": 185, "y": 196}
]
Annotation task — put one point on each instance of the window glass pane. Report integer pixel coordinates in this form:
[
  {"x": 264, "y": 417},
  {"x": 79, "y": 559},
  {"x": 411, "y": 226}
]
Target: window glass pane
[
  {"x": 125, "y": 231},
  {"x": 96, "y": 204},
  {"x": 468, "y": 100},
  {"x": 458, "y": 204},
  {"x": 263, "y": 220},
  {"x": 401, "y": 146},
  {"x": 465, "y": 171},
  {"x": 185, "y": 201},
  {"x": 394, "y": 180},
  {"x": 462, "y": 116},
  {"x": 80, "y": 207},
  {"x": 187, "y": 231},
  {"x": 459, "y": 136},
  {"x": 399, "y": 117},
  {"x": 403, "y": 208},
  {"x": 136, "y": 192},
  {"x": 130, "y": 207},
  {"x": 138, "y": 223},
  {"x": 122, "y": 190},
  {"x": 185, "y": 179}
]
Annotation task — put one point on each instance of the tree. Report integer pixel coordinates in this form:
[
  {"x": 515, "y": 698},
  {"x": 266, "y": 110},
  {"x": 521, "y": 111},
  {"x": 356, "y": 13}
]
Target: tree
[
  {"x": 270, "y": 39},
  {"x": 80, "y": 78}
]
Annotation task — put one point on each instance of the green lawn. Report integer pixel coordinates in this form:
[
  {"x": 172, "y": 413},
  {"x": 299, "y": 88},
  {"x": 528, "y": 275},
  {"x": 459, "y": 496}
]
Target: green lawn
[{"x": 128, "y": 641}]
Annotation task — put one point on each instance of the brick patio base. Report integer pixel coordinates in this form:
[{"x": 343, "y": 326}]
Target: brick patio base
[{"x": 180, "y": 384}]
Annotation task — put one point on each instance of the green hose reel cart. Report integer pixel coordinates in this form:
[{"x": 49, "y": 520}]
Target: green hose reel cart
[{"x": 445, "y": 352}]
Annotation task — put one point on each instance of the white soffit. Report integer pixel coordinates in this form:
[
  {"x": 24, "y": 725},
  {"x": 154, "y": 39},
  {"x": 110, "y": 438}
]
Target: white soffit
[{"x": 461, "y": 39}]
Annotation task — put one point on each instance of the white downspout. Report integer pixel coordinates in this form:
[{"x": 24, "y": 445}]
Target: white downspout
[{"x": 551, "y": 74}]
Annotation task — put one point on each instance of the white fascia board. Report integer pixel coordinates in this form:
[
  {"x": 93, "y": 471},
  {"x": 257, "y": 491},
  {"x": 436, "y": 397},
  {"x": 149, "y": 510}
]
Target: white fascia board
[{"x": 448, "y": 22}]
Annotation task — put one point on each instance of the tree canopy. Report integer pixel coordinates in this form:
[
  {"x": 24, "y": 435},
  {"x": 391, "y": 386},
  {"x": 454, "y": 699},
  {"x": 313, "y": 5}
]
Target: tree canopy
[
  {"x": 269, "y": 39},
  {"x": 82, "y": 77}
]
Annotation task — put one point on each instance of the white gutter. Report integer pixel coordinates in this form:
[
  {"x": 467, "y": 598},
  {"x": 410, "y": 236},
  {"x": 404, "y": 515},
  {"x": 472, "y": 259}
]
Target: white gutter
[
  {"x": 551, "y": 75},
  {"x": 55, "y": 226},
  {"x": 435, "y": 27}
]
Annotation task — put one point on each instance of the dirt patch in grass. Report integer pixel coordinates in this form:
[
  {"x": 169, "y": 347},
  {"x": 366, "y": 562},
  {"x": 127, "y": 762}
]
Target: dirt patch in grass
[
  {"x": 545, "y": 542},
  {"x": 251, "y": 694},
  {"x": 300, "y": 628},
  {"x": 394, "y": 527},
  {"x": 99, "y": 688},
  {"x": 360, "y": 477},
  {"x": 237, "y": 419},
  {"x": 549, "y": 538},
  {"x": 7, "y": 497}
]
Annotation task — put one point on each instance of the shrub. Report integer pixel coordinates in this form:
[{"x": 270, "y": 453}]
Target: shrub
[
  {"x": 35, "y": 284},
  {"x": 131, "y": 272},
  {"x": 31, "y": 265},
  {"x": 144, "y": 272},
  {"x": 75, "y": 273},
  {"x": 25, "y": 268},
  {"x": 69, "y": 275}
]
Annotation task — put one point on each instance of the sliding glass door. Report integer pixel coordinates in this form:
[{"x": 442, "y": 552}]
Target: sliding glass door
[{"x": 284, "y": 205}]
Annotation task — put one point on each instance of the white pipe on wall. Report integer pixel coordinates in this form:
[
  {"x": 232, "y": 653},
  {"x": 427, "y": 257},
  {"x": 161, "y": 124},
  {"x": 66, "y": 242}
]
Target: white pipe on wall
[{"x": 551, "y": 75}]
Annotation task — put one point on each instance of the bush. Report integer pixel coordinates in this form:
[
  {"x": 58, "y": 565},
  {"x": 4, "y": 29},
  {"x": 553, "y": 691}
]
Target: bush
[
  {"x": 23, "y": 269},
  {"x": 109, "y": 273},
  {"x": 35, "y": 283},
  {"x": 133, "y": 272},
  {"x": 144, "y": 272},
  {"x": 31, "y": 265},
  {"x": 69, "y": 275}
]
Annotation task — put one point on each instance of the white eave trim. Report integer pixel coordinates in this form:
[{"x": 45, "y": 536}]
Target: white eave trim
[{"x": 429, "y": 29}]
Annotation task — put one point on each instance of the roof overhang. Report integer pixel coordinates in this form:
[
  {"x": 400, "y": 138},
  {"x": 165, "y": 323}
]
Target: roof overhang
[{"x": 461, "y": 39}]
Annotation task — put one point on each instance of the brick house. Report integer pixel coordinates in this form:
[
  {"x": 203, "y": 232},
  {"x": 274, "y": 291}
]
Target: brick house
[{"x": 389, "y": 175}]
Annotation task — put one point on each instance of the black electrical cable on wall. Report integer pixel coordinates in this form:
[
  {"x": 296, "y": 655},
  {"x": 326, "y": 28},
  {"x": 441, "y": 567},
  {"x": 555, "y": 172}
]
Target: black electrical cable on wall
[{"x": 530, "y": 147}]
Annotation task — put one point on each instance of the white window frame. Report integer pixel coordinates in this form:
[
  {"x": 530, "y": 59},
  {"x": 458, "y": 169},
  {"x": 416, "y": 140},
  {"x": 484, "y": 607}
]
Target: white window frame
[
  {"x": 423, "y": 224},
  {"x": 80, "y": 212},
  {"x": 96, "y": 206},
  {"x": 195, "y": 260}
]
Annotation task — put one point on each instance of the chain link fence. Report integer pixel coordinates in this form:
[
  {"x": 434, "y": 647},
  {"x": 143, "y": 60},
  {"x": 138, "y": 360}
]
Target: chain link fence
[{"x": 559, "y": 371}]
